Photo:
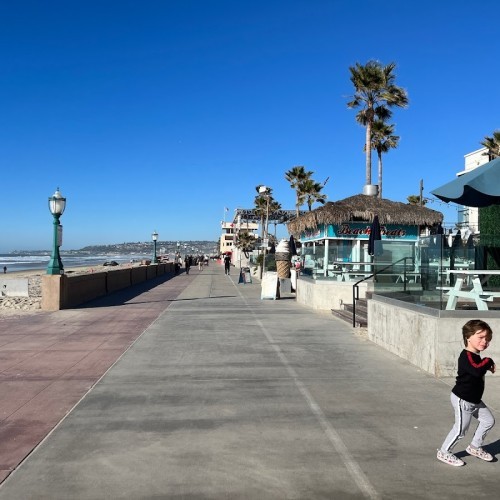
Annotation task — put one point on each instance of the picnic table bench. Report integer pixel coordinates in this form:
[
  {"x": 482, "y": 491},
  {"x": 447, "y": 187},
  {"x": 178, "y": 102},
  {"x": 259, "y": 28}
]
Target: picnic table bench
[{"x": 476, "y": 293}]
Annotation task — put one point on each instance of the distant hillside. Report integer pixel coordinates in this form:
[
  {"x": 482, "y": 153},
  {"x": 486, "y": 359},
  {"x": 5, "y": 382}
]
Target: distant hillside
[
  {"x": 185, "y": 247},
  {"x": 145, "y": 247}
]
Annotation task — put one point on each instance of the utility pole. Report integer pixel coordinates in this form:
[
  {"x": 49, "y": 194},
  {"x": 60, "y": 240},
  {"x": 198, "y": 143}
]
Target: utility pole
[{"x": 421, "y": 192}]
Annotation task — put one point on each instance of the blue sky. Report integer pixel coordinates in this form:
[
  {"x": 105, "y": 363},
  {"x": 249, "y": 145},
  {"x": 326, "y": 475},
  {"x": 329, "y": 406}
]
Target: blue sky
[{"x": 155, "y": 115}]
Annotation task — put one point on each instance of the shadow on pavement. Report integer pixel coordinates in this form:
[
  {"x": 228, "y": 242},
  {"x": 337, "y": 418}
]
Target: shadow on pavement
[{"x": 121, "y": 297}]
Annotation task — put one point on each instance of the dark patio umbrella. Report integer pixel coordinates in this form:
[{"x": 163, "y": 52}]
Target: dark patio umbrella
[
  {"x": 292, "y": 246},
  {"x": 469, "y": 249},
  {"x": 470, "y": 242},
  {"x": 375, "y": 235},
  {"x": 457, "y": 240},
  {"x": 455, "y": 245},
  {"x": 478, "y": 188},
  {"x": 437, "y": 237}
]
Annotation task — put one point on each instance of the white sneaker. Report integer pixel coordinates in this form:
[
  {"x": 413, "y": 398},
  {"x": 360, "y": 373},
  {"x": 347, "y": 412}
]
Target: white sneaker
[
  {"x": 479, "y": 453},
  {"x": 449, "y": 458}
]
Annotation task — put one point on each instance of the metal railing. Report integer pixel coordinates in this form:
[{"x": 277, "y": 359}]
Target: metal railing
[{"x": 355, "y": 287}]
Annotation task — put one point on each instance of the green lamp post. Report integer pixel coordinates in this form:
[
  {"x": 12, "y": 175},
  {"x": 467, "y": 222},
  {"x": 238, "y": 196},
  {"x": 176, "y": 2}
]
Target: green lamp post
[
  {"x": 57, "y": 204},
  {"x": 155, "y": 238}
]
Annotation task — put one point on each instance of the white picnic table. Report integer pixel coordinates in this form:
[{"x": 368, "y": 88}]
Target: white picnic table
[
  {"x": 443, "y": 268},
  {"x": 463, "y": 289}
]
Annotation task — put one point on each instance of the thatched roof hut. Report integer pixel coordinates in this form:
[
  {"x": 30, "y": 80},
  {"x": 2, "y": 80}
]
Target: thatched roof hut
[{"x": 364, "y": 208}]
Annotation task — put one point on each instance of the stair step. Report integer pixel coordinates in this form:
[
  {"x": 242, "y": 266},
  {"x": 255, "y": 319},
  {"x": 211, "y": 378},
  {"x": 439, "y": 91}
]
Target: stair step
[
  {"x": 360, "y": 309},
  {"x": 347, "y": 317},
  {"x": 346, "y": 313}
]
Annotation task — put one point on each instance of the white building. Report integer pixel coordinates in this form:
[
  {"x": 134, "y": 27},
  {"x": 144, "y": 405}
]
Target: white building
[
  {"x": 247, "y": 221},
  {"x": 229, "y": 233},
  {"x": 469, "y": 216},
  {"x": 226, "y": 243}
]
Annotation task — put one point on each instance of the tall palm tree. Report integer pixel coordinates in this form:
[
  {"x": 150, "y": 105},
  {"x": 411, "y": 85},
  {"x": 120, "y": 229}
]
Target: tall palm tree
[
  {"x": 261, "y": 205},
  {"x": 375, "y": 93},
  {"x": 493, "y": 145},
  {"x": 245, "y": 242},
  {"x": 295, "y": 176},
  {"x": 383, "y": 140},
  {"x": 310, "y": 192},
  {"x": 274, "y": 206}
]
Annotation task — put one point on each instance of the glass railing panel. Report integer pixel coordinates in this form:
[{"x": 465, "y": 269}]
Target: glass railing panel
[
  {"x": 421, "y": 271},
  {"x": 438, "y": 263}
]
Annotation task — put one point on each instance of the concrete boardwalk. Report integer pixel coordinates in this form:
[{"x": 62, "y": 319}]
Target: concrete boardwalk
[{"x": 222, "y": 396}]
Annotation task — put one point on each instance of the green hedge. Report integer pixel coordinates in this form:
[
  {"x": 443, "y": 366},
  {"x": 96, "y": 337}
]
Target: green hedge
[{"x": 489, "y": 227}]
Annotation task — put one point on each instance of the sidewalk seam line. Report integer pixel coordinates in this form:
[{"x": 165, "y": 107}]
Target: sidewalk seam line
[{"x": 352, "y": 466}]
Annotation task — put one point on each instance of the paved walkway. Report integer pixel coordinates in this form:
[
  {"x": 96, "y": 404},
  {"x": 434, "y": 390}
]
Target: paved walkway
[{"x": 220, "y": 395}]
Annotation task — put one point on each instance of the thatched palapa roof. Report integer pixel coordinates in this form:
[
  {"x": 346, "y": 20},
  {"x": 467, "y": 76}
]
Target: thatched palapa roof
[{"x": 364, "y": 208}]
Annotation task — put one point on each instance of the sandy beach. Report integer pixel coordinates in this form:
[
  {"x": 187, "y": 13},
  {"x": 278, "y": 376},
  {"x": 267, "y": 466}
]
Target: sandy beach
[{"x": 15, "y": 306}]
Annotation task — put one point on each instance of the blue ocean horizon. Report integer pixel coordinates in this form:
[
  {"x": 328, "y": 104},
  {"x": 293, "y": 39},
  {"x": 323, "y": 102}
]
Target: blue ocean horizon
[{"x": 26, "y": 262}]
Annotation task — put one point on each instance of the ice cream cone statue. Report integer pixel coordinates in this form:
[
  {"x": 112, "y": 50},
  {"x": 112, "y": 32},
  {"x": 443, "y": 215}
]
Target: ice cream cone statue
[{"x": 282, "y": 257}]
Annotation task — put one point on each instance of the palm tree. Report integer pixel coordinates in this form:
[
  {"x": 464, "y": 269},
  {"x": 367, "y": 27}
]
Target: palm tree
[
  {"x": 310, "y": 192},
  {"x": 245, "y": 242},
  {"x": 274, "y": 206},
  {"x": 295, "y": 176},
  {"x": 261, "y": 205},
  {"x": 493, "y": 145},
  {"x": 382, "y": 141},
  {"x": 414, "y": 199},
  {"x": 375, "y": 93},
  {"x": 265, "y": 205}
]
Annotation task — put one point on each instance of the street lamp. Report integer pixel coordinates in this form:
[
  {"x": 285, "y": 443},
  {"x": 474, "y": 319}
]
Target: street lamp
[
  {"x": 265, "y": 192},
  {"x": 57, "y": 204},
  {"x": 155, "y": 238}
]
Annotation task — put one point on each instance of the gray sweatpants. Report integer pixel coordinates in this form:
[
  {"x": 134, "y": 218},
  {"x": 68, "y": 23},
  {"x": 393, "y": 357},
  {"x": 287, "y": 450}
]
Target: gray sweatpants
[{"x": 464, "y": 411}]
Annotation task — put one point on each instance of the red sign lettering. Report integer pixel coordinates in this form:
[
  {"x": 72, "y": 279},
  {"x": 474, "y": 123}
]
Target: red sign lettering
[{"x": 346, "y": 230}]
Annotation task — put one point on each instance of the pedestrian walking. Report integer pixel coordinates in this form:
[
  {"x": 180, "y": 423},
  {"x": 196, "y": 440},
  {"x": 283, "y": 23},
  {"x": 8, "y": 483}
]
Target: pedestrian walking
[
  {"x": 227, "y": 263},
  {"x": 187, "y": 263},
  {"x": 466, "y": 396}
]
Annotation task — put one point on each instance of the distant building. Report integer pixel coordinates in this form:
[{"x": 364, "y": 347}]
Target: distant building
[
  {"x": 231, "y": 229},
  {"x": 469, "y": 216},
  {"x": 227, "y": 237},
  {"x": 247, "y": 221}
]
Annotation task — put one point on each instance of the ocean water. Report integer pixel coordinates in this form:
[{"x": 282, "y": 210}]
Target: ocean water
[{"x": 25, "y": 262}]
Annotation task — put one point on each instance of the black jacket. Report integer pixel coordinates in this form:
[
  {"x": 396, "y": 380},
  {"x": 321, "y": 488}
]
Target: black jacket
[{"x": 470, "y": 379}]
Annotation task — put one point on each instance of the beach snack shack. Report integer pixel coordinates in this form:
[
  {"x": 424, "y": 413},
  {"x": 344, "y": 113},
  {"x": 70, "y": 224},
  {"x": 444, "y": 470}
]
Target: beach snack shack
[{"x": 335, "y": 238}]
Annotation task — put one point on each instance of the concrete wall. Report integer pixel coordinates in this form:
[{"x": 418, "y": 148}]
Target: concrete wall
[
  {"x": 82, "y": 288},
  {"x": 66, "y": 291},
  {"x": 14, "y": 287},
  {"x": 117, "y": 280},
  {"x": 426, "y": 337},
  {"x": 151, "y": 272},
  {"x": 139, "y": 274},
  {"x": 325, "y": 294},
  {"x": 52, "y": 293}
]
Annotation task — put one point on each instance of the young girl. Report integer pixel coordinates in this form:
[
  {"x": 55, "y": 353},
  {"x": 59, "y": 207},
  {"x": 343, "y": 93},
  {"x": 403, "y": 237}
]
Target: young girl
[{"x": 467, "y": 393}]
